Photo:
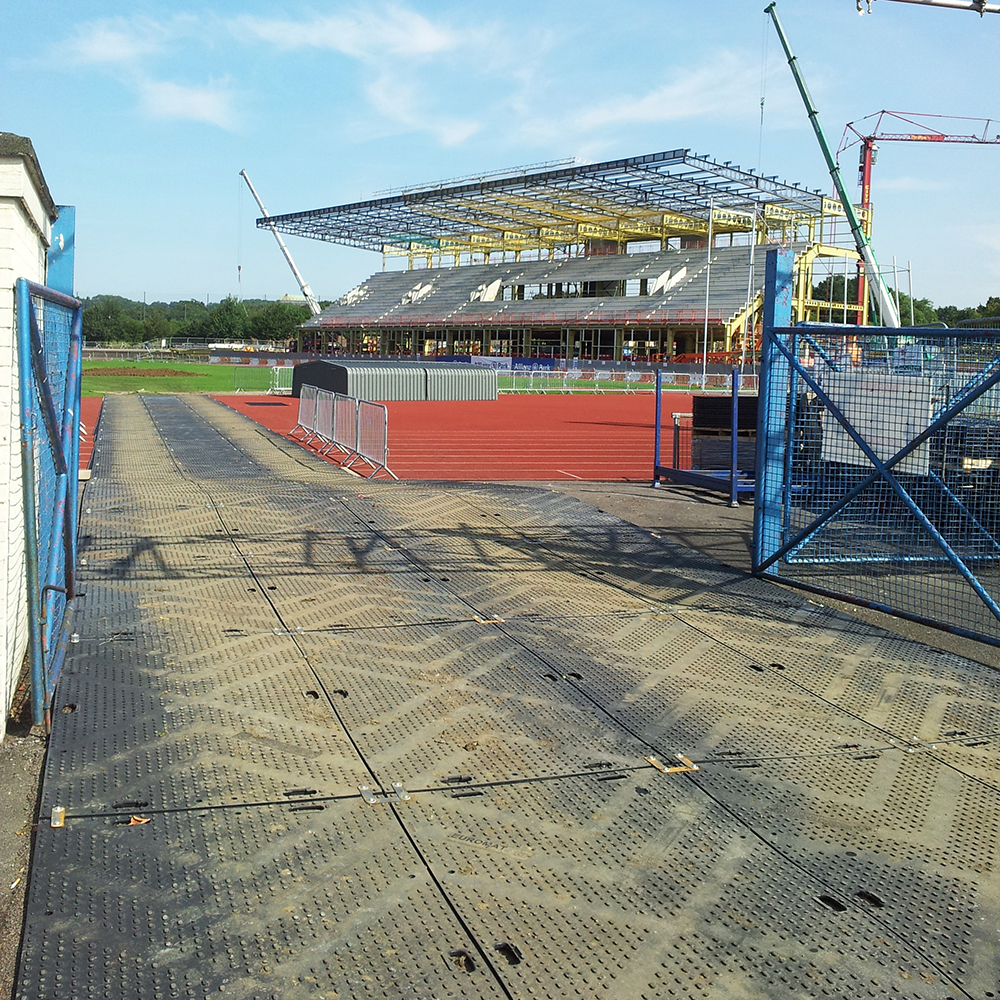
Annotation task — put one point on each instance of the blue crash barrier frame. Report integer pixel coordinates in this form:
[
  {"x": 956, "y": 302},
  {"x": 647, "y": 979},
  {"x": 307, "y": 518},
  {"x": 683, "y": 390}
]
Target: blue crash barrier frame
[
  {"x": 782, "y": 378},
  {"x": 49, "y": 340}
]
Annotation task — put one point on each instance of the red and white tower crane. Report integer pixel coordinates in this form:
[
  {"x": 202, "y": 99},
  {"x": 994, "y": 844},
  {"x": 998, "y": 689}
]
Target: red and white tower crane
[
  {"x": 979, "y": 7},
  {"x": 903, "y": 126}
]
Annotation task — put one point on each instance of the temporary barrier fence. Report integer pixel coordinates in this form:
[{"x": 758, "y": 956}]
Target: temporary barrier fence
[
  {"x": 598, "y": 380},
  {"x": 357, "y": 427},
  {"x": 576, "y": 381},
  {"x": 281, "y": 380},
  {"x": 731, "y": 481},
  {"x": 273, "y": 380},
  {"x": 307, "y": 409},
  {"x": 879, "y": 465},
  {"x": 323, "y": 420},
  {"x": 250, "y": 378},
  {"x": 372, "y": 439},
  {"x": 345, "y": 421},
  {"x": 49, "y": 338}
]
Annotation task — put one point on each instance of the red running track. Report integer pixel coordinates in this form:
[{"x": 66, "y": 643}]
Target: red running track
[
  {"x": 90, "y": 411},
  {"x": 515, "y": 437}
]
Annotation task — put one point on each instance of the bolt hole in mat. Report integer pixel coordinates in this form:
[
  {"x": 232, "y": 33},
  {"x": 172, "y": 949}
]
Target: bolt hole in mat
[{"x": 325, "y": 739}]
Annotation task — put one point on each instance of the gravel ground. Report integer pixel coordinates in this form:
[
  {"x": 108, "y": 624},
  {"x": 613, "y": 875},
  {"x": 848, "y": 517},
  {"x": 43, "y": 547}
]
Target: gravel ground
[{"x": 21, "y": 757}]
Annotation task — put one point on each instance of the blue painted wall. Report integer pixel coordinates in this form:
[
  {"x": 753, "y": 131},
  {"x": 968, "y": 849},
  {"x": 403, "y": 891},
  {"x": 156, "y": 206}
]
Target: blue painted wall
[{"x": 62, "y": 251}]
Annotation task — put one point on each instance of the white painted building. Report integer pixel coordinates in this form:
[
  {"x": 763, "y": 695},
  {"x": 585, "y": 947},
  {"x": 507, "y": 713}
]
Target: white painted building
[{"x": 27, "y": 213}]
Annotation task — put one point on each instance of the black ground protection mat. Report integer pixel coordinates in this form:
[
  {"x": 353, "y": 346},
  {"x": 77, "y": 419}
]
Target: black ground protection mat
[{"x": 329, "y": 739}]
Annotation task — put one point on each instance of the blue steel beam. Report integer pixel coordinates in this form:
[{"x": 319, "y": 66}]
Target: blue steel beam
[
  {"x": 658, "y": 432},
  {"x": 735, "y": 440},
  {"x": 771, "y": 426}
]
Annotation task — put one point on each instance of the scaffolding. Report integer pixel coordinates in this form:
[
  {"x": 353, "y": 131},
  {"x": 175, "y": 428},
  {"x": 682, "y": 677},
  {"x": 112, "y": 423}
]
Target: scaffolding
[
  {"x": 556, "y": 213},
  {"x": 570, "y": 210}
]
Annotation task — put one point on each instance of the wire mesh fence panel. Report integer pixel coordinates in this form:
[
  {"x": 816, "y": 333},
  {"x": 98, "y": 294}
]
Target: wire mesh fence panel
[
  {"x": 307, "y": 409},
  {"x": 281, "y": 379},
  {"x": 373, "y": 436},
  {"x": 345, "y": 422},
  {"x": 879, "y": 470},
  {"x": 49, "y": 367},
  {"x": 680, "y": 441},
  {"x": 323, "y": 418},
  {"x": 251, "y": 378}
]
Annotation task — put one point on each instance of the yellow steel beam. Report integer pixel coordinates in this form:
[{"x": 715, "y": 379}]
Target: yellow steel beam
[
  {"x": 826, "y": 304},
  {"x": 644, "y": 223}
]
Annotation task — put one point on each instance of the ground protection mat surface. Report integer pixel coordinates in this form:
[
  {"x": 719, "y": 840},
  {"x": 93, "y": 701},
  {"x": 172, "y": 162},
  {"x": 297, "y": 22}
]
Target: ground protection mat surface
[{"x": 328, "y": 739}]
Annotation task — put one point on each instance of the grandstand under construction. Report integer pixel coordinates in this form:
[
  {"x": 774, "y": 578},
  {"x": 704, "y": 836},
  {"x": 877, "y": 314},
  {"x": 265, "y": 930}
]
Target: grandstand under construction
[{"x": 643, "y": 259}]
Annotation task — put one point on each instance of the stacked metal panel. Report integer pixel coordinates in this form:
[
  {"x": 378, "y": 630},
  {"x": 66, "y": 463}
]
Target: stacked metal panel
[
  {"x": 386, "y": 382},
  {"x": 460, "y": 381},
  {"x": 396, "y": 381}
]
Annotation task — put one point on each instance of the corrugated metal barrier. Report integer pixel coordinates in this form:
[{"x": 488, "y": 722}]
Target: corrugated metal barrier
[
  {"x": 398, "y": 382},
  {"x": 460, "y": 382}
]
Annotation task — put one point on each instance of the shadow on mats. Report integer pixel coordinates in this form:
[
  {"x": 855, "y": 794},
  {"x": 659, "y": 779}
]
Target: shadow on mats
[{"x": 325, "y": 739}]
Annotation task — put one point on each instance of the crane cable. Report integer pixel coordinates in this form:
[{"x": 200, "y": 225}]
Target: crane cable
[
  {"x": 239, "y": 239},
  {"x": 765, "y": 35}
]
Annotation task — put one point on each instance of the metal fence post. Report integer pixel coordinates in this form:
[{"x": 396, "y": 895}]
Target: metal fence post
[
  {"x": 657, "y": 431},
  {"x": 734, "y": 454},
  {"x": 71, "y": 430},
  {"x": 771, "y": 408},
  {"x": 28, "y": 486}
]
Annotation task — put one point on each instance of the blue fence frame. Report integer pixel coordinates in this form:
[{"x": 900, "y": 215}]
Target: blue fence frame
[
  {"x": 49, "y": 336},
  {"x": 890, "y": 532}
]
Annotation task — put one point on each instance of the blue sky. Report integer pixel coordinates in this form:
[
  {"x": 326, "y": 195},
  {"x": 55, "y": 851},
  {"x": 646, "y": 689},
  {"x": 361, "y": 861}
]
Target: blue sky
[{"x": 144, "y": 113}]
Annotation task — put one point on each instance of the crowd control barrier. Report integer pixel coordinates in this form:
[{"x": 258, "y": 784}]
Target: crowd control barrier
[
  {"x": 356, "y": 427},
  {"x": 571, "y": 381},
  {"x": 281, "y": 380},
  {"x": 49, "y": 339},
  {"x": 274, "y": 380},
  {"x": 307, "y": 409},
  {"x": 345, "y": 417}
]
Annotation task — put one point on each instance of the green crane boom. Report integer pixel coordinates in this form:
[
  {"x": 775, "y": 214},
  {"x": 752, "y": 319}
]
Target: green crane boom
[{"x": 886, "y": 303}]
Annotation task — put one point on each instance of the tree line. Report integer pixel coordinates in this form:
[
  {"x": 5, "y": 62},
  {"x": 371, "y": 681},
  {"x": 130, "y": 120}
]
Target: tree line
[
  {"x": 112, "y": 319},
  {"x": 924, "y": 311}
]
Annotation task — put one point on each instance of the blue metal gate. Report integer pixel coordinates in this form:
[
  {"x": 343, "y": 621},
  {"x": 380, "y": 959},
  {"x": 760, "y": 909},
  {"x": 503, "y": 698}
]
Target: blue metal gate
[
  {"x": 878, "y": 465},
  {"x": 49, "y": 333}
]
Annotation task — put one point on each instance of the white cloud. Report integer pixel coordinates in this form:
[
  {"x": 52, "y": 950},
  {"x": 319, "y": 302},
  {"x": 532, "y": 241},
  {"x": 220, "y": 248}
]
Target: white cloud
[
  {"x": 211, "y": 104},
  {"x": 114, "y": 42},
  {"x": 126, "y": 47},
  {"x": 396, "y": 44},
  {"x": 399, "y": 100},
  {"x": 725, "y": 88},
  {"x": 392, "y": 30}
]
